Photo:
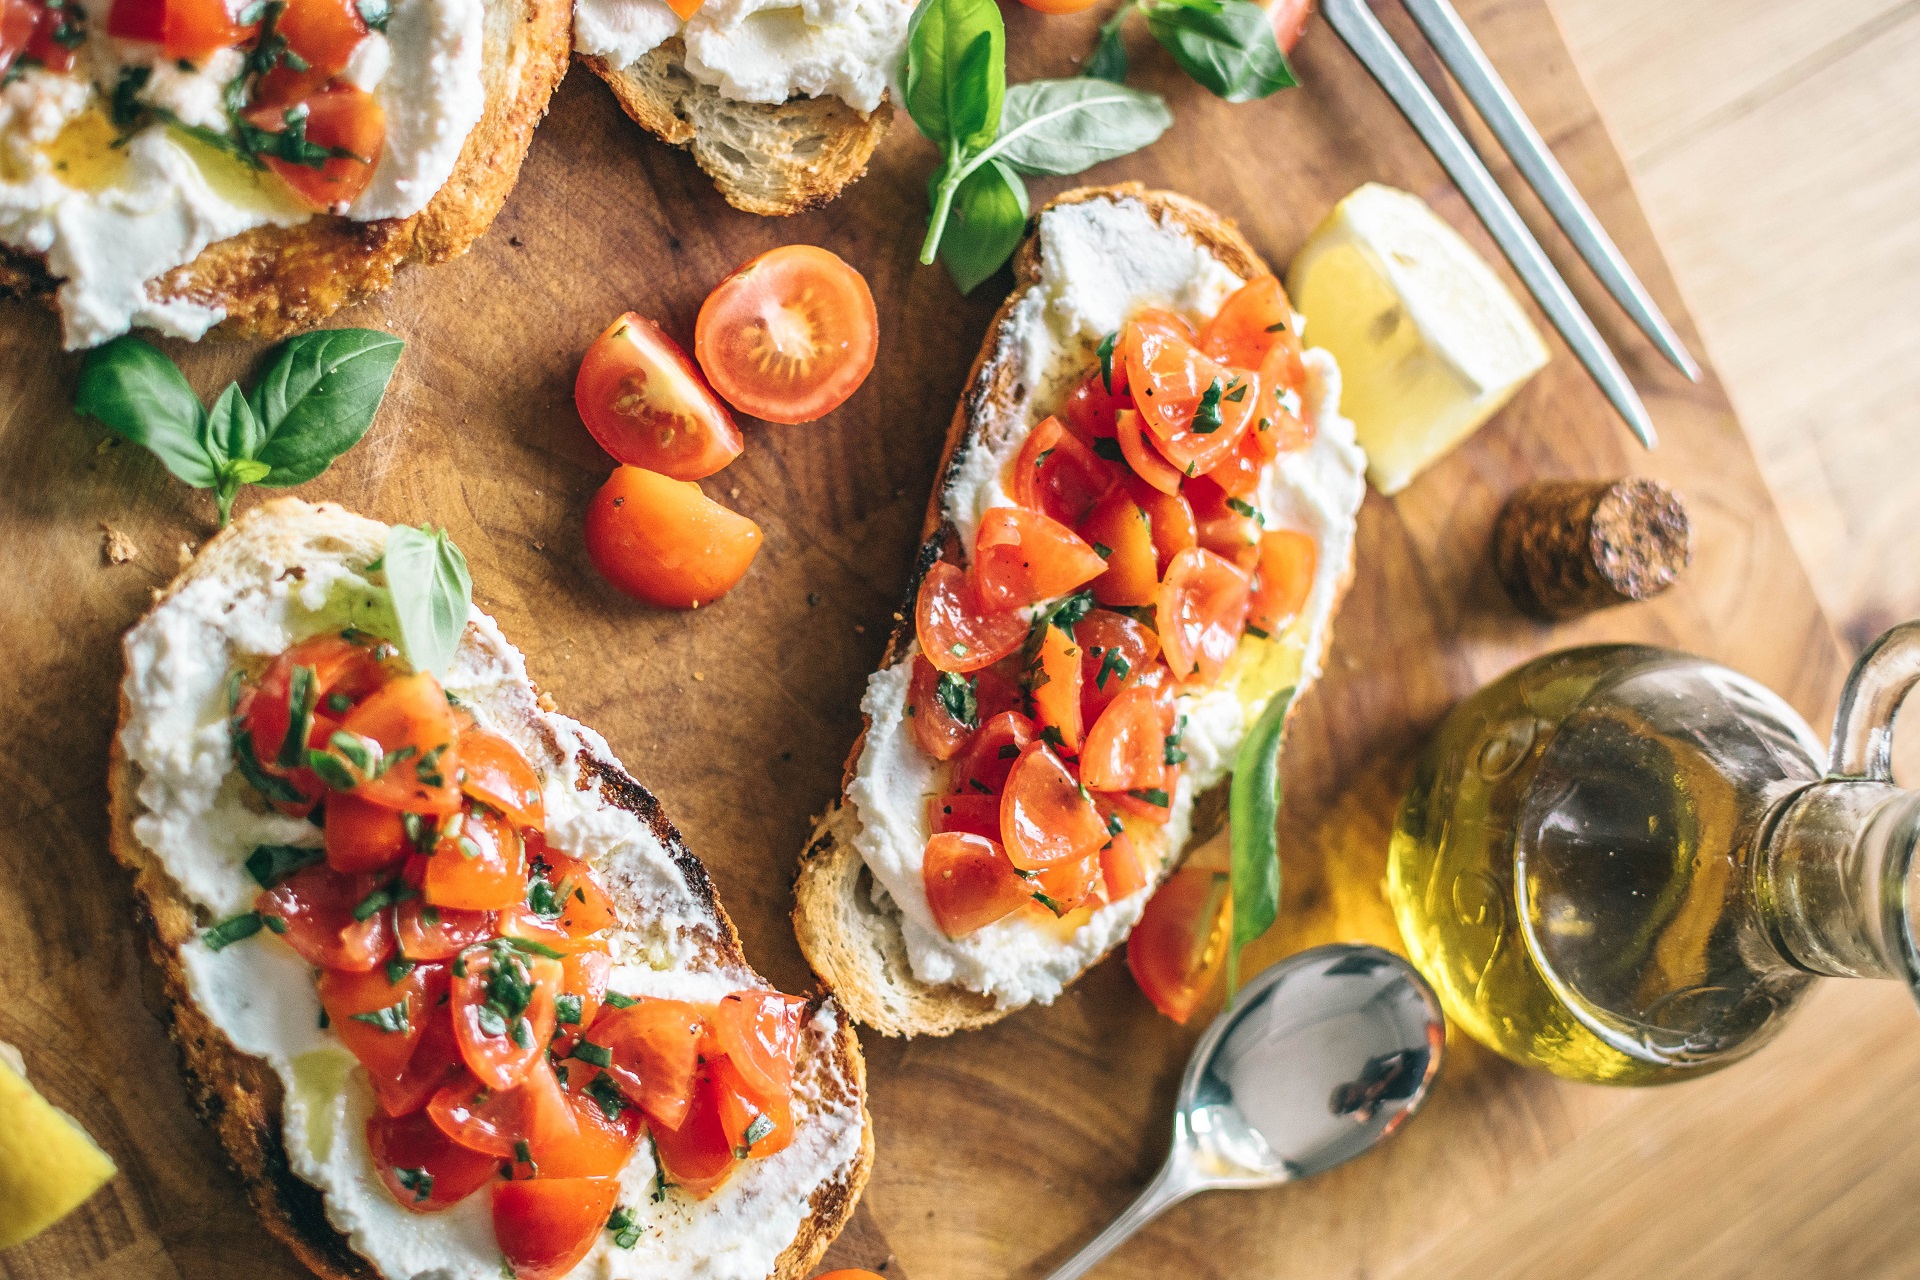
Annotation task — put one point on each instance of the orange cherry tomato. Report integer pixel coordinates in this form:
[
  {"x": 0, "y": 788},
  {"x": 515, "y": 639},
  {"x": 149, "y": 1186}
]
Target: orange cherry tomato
[
  {"x": 983, "y": 768},
  {"x": 363, "y": 836},
  {"x": 1147, "y": 804},
  {"x": 1127, "y": 746},
  {"x": 427, "y": 932},
  {"x": 522, "y": 922},
  {"x": 493, "y": 771},
  {"x": 382, "y": 1020},
  {"x": 608, "y": 1127},
  {"x": 655, "y": 1047},
  {"x": 1115, "y": 653},
  {"x": 318, "y": 907},
  {"x": 969, "y": 882},
  {"x": 347, "y": 120},
  {"x": 584, "y": 908},
  {"x": 1145, "y": 460},
  {"x": 1202, "y": 611},
  {"x": 545, "y": 1227},
  {"x": 503, "y": 1013},
  {"x": 647, "y": 405},
  {"x": 955, "y": 632},
  {"x": 323, "y": 34},
  {"x": 1092, "y": 408},
  {"x": 759, "y": 1031},
  {"x": 755, "y": 1124},
  {"x": 423, "y": 1169},
  {"x": 339, "y": 674},
  {"x": 1166, "y": 373},
  {"x": 478, "y": 865},
  {"x": 1224, "y": 529},
  {"x": 1057, "y": 474},
  {"x": 19, "y": 19},
  {"x": 1045, "y": 815},
  {"x": 1066, "y": 885},
  {"x": 938, "y": 731},
  {"x": 1281, "y": 584},
  {"x": 1170, "y": 518},
  {"x": 968, "y": 812},
  {"x": 435, "y": 1062},
  {"x": 1021, "y": 557},
  {"x": 1056, "y": 689},
  {"x": 1120, "y": 869},
  {"x": 1222, "y": 419},
  {"x": 697, "y": 1156},
  {"x": 1118, "y": 530},
  {"x": 1180, "y": 944},
  {"x": 663, "y": 541},
  {"x": 789, "y": 336},
  {"x": 410, "y": 715},
  {"x": 498, "y": 1121}
]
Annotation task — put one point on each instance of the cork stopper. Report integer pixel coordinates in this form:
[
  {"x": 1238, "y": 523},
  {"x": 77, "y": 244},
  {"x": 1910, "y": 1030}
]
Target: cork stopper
[{"x": 1567, "y": 547}]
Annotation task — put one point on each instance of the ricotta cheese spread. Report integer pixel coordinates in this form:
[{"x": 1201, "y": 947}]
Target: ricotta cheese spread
[
  {"x": 110, "y": 214},
  {"x": 195, "y": 816},
  {"x": 1100, "y": 261},
  {"x": 761, "y": 50}
]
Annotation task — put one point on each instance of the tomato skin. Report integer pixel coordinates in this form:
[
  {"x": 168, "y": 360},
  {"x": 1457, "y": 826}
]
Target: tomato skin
[
  {"x": 967, "y": 812},
  {"x": 1281, "y": 584},
  {"x": 583, "y": 974},
  {"x": 983, "y": 769},
  {"x": 656, "y": 1052},
  {"x": 363, "y": 836},
  {"x": 410, "y": 712},
  {"x": 741, "y": 1105},
  {"x": 502, "y": 1061},
  {"x": 1058, "y": 475},
  {"x": 19, "y": 20},
  {"x": 338, "y": 668},
  {"x": 1194, "y": 452},
  {"x": 1146, "y": 461},
  {"x": 939, "y": 734},
  {"x": 493, "y": 771},
  {"x": 969, "y": 882},
  {"x": 789, "y": 335},
  {"x": 648, "y": 406},
  {"x": 546, "y": 1226},
  {"x": 413, "y": 1142},
  {"x": 1171, "y": 518},
  {"x": 759, "y": 1031},
  {"x": 1120, "y": 525},
  {"x": 1045, "y": 817},
  {"x": 602, "y": 1143},
  {"x": 955, "y": 631},
  {"x": 1091, "y": 409},
  {"x": 1230, "y": 534},
  {"x": 1066, "y": 885},
  {"x": 1056, "y": 689},
  {"x": 697, "y": 1156},
  {"x": 1120, "y": 868},
  {"x": 480, "y": 865},
  {"x": 317, "y": 905},
  {"x": 1202, "y": 611},
  {"x": 1021, "y": 557},
  {"x": 1180, "y": 945},
  {"x": 189, "y": 29},
  {"x": 1166, "y": 373},
  {"x": 438, "y": 933},
  {"x": 1126, "y": 748},
  {"x": 345, "y": 994},
  {"x": 497, "y": 1121},
  {"x": 1132, "y": 647},
  {"x": 324, "y": 33},
  {"x": 663, "y": 541},
  {"x": 1289, "y": 21},
  {"x": 1254, "y": 321},
  {"x": 435, "y": 1062},
  {"x": 341, "y": 116}
]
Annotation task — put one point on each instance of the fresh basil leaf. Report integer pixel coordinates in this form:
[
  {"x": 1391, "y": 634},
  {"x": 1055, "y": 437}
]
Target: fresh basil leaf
[
  {"x": 1065, "y": 126},
  {"x": 984, "y": 227},
  {"x": 1253, "y": 809},
  {"x": 142, "y": 397},
  {"x": 954, "y": 83},
  {"x": 1108, "y": 61},
  {"x": 1225, "y": 45},
  {"x": 432, "y": 594},
  {"x": 230, "y": 430},
  {"x": 319, "y": 398}
]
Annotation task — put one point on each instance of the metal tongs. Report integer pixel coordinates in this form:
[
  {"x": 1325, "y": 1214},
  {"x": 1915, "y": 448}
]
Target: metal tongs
[{"x": 1355, "y": 23}]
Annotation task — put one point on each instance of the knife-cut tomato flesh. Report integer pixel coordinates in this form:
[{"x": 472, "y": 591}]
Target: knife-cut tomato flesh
[
  {"x": 1022, "y": 557},
  {"x": 1046, "y": 816},
  {"x": 546, "y": 1226},
  {"x": 1180, "y": 944},
  {"x": 956, "y": 632},
  {"x": 1201, "y": 613},
  {"x": 969, "y": 882},
  {"x": 1058, "y": 474}
]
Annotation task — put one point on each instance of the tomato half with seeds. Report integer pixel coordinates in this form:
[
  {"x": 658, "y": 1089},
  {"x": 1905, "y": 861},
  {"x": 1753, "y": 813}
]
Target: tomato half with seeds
[
  {"x": 1116, "y": 653},
  {"x": 756, "y": 1125},
  {"x": 1180, "y": 945},
  {"x": 956, "y": 632},
  {"x": 412, "y": 721},
  {"x": 346, "y": 120},
  {"x": 423, "y": 1169},
  {"x": 983, "y": 768},
  {"x": 1066, "y": 886},
  {"x": 789, "y": 336},
  {"x": 1056, "y": 689},
  {"x": 1222, "y": 418},
  {"x": 655, "y": 1050},
  {"x": 969, "y": 882},
  {"x": 1118, "y": 530},
  {"x": 1202, "y": 611},
  {"x": 647, "y": 405},
  {"x": 318, "y": 907},
  {"x": 608, "y": 1127},
  {"x": 1126, "y": 748},
  {"x": 380, "y": 1019},
  {"x": 435, "y": 1062},
  {"x": 427, "y": 932},
  {"x": 321, "y": 33},
  {"x": 493, "y": 771},
  {"x": 363, "y": 836},
  {"x": 584, "y": 907},
  {"x": 503, "y": 1014},
  {"x": 1145, "y": 460},
  {"x": 663, "y": 541},
  {"x": 1021, "y": 557},
  {"x": 760, "y": 1032},
  {"x": 1281, "y": 584},
  {"x": 498, "y": 1121},
  {"x": 479, "y": 865},
  {"x": 697, "y": 1156},
  {"x": 545, "y": 1227},
  {"x": 1045, "y": 816},
  {"x": 1058, "y": 474},
  {"x": 965, "y": 811}
]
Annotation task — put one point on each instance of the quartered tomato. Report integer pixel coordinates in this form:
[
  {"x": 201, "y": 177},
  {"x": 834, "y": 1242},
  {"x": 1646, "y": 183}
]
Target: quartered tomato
[
  {"x": 1255, "y": 323},
  {"x": 965, "y": 811},
  {"x": 939, "y": 732},
  {"x": 608, "y": 1127},
  {"x": 427, "y": 932},
  {"x": 503, "y": 1014},
  {"x": 508, "y": 1124},
  {"x": 648, "y": 406},
  {"x": 756, "y": 1124},
  {"x": 1121, "y": 870},
  {"x": 1220, "y": 421},
  {"x": 1166, "y": 373},
  {"x": 655, "y": 1047},
  {"x": 545, "y": 1227},
  {"x": 983, "y": 768},
  {"x": 1058, "y": 474},
  {"x": 760, "y": 1032},
  {"x": 1064, "y": 886},
  {"x": 380, "y": 1019},
  {"x": 1115, "y": 653},
  {"x": 1171, "y": 519},
  {"x": 478, "y": 865},
  {"x": 697, "y": 1156},
  {"x": 330, "y": 674},
  {"x": 319, "y": 906},
  {"x": 1126, "y": 748},
  {"x": 435, "y": 1062},
  {"x": 583, "y": 977},
  {"x": 1056, "y": 689},
  {"x": 1180, "y": 944},
  {"x": 321, "y": 33},
  {"x": 663, "y": 541},
  {"x": 1118, "y": 530},
  {"x": 37, "y": 30},
  {"x": 789, "y": 336},
  {"x": 1202, "y": 611},
  {"x": 346, "y": 120},
  {"x": 1283, "y": 580},
  {"x": 412, "y": 721},
  {"x": 493, "y": 771},
  {"x": 582, "y": 906},
  {"x": 1229, "y": 531},
  {"x": 189, "y": 29},
  {"x": 1045, "y": 816},
  {"x": 1140, "y": 455},
  {"x": 423, "y": 1168},
  {"x": 956, "y": 632},
  {"x": 1092, "y": 407},
  {"x": 362, "y": 836},
  {"x": 1021, "y": 557},
  {"x": 969, "y": 882}
]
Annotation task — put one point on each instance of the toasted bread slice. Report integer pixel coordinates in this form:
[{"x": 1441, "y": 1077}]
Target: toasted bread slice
[
  {"x": 275, "y": 281},
  {"x": 767, "y": 158},
  {"x": 851, "y": 930},
  {"x": 664, "y": 897}
]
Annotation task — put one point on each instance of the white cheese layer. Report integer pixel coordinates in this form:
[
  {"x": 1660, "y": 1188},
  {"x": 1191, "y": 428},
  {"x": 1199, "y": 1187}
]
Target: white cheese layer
[
  {"x": 110, "y": 217},
  {"x": 1100, "y": 261},
  {"x": 197, "y": 817},
  {"x": 761, "y": 50}
]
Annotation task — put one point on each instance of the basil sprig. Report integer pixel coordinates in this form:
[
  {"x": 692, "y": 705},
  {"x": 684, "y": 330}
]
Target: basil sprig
[
  {"x": 314, "y": 402},
  {"x": 992, "y": 136},
  {"x": 432, "y": 593},
  {"x": 1253, "y": 807},
  {"x": 1227, "y": 46}
]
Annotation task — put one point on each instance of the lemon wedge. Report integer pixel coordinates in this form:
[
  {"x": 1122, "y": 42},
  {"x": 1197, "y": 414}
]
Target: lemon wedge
[
  {"x": 48, "y": 1164},
  {"x": 1430, "y": 342}
]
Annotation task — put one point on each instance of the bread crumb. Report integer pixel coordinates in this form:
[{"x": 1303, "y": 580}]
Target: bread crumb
[
  {"x": 546, "y": 703},
  {"x": 699, "y": 675},
  {"x": 859, "y": 630},
  {"x": 186, "y": 554},
  {"x": 116, "y": 547},
  {"x": 898, "y": 618}
]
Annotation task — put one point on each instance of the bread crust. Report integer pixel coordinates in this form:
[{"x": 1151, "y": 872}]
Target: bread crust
[
  {"x": 855, "y": 947},
  {"x": 241, "y": 1096},
  {"x": 276, "y": 281}
]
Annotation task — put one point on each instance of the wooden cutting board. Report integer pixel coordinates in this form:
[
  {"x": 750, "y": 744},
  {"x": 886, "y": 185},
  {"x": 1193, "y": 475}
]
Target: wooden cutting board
[{"x": 1002, "y": 1150}]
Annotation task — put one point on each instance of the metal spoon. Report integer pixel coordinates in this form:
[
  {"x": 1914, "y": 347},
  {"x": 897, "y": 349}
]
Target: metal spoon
[{"x": 1320, "y": 1057}]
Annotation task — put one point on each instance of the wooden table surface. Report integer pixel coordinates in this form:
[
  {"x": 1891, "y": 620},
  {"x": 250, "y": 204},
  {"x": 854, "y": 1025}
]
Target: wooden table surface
[{"x": 999, "y": 1151}]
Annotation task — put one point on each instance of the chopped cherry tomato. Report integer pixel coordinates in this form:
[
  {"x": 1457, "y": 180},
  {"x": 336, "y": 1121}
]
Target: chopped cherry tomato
[
  {"x": 349, "y": 122},
  {"x": 382, "y": 1020},
  {"x": 1066, "y": 885},
  {"x": 1229, "y": 532},
  {"x": 479, "y": 865},
  {"x": 503, "y": 1011},
  {"x": 755, "y": 1124},
  {"x": 1120, "y": 868},
  {"x": 427, "y": 932},
  {"x": 1091, "y": 409},
  {"x": 1145, "y": 460},
  {"x": 584, "y": 907},
  {"x": 655, "y": 1045},
  {"x": 435, "y": 1062},
  {"x": 410, "y": 714},
  {"x": 340, "y": 673},
  {"x": 608, "y": 1127},
  {"x": 955, "y": 632},
  {"x": 1170, "y": 518},
  {"x": 545, "y": 1227},
  {"x": 1289, "y": 23},
  {"x": 1222, "y": 419},
  {"x": 18, "y": 20},
  {"x": 323, "y": 34},
  {"x": 33, "y": 29},
  {"x": 1058, "y": 475},
  {"x": 697, "y": 1156},
  {"x": 1045, "y": 816},
  {"x": 663, "y": 541},
  {"x": 318, "y": 906},
  {"x": 982, "y": 770},
  {"x": 189, "y": 29},
  {"x": 1021, "y": 557},
  {"x": 522, "y": 922},
  {"x": 1118, "y": 530},
  {"x": 363, "y": 836},
  {"x": 1127, "y": 746},
  {"x": 1254, "y": 322},
  {"x": 940, "y": 734},
  {"x": 493, "y": 771},
  {"x": 498, "y": 1121},
  {"x": 1282, "y": 582},
  {"x": 648, "y": 406},
  {"x": 424, "y": 1169},
  {"x": 1166, "y": 373},
  {"x": 760, "y": 1032},
  {"x": 1056, "y": 689},
  {"x": 1180, "y": 944},
  {"x": 1115, "y": 653},
  {"x": 583, "y": 975},
  {"x": 1202, "y": 611},
  {"x": 789, "y": 336},
  {"x": 969, "y": 812}
]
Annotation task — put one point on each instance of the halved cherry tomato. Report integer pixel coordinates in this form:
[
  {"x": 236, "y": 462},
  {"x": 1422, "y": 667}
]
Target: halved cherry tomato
[
  {"x": 1155, "y": 805},
  {"x": 970, "y": 883},
  {"x": 608, "y": 1127},
  {"x": 760, "y": 1032},
  {"x": 1127, "y": 746},
  {"x": 493, "y": 771},
  {"x": 382, "y": 1020},
  {"x": 965, "y": 811},
  {"x": 1091, "y": 409},
  {"x": 427, "y": 932},
  {"x": 663, "y": 541},
  {"x": 648, "y": 406},
  {"x": 499, "y": 1121},
  {"x": 1120, "y": 868},
  {"x": 1171, "y": 520},
  {"x": 755, "y": 1124},
  {"x": 545, "y": 1227},
  {"x": 1227, "y": 531},
  {"x": 522, "y": 922},
  {"x": 956, "y": 633},
  {"x": 1289, "y": 21},
  {"x": 350, "y": 122},
  {"x": 424, "y": 1169},
  {"x": 983, "y": 768},
  {"x": 1202, "y": 611},
  {"x": 938, "y": 731},
  {"x": 697, "y": 1156},
  {"x": 189, "y": 29},
  {"x": 1056, "y": 689},
  {"x": 318, "y": 906},
  {"x": 1166, "y": 373},
  {"x": 1066, "y": 885},
  {"x": 410, "y": 714},
  {"x": 1180, "y": 944},
  {"x": 479, "y": 865},
  {"x": 1118, "y": 530},
  {"x": 1115, "y": 653},
  {"x": 321, "y": 33},
  {"x": 1058, "y": 475},
  {"x": 583, "y": 976},
  {"x": 1282, "y": 582},
  {"x": 363, "y": 836},
  {"x": 1142, "y": 456},
  {"x": 789, "y": 336},
  {"x": 1021, "y": 557},
  {"x": 435, "y": 1062},
  {"x": 655, "y": 1045},
  {"x": 1045, "y": 816},
  {"x": 503, "y": 1012}
]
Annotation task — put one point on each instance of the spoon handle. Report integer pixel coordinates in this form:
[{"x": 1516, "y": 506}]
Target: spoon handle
[{"x": 1174, "y": 1183}]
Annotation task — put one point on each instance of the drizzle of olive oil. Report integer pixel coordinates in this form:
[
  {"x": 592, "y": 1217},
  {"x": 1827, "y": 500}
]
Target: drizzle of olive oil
[{"x": 85, "y": 153}]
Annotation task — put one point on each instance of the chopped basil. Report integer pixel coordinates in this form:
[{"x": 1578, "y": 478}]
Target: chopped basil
[
  {"x": 270, "y": 864},
  {"x": 982, "y": 787},
  {"x": 594, "y": 1054},
  {"x": 1109, "y": 448},
  {"x": 614, "y": 1000},
  {"x": 275, "y": 924},
  {"x": 386, "y": 895},
  {"x": 1237, "y": 393},
  {"x": 1102, "y": 550},
  {"x": 1114, "y": 826},
  {"x": 1206, "y": 418},
  {"x": 532, "y": 948},
  {"x": 1049, "y": 903},
  {"x": 1257, "y": 631},
  {"x": 332, "y": 770},
  {"x": 626, "y": 1230},
  {"x": 1278, "y": 326},
  {"x": 232, "y": 930},
  {"x": 1008, "y": 752},
  {"x": 1174, "y": 754},
  {"x": 566, "y": 1010},
  {"x": 1248, "y": 510},
  {"x": 422, "y": 834},
  {"x": 293, "y": 747},
  {"x": 957, "y": 649},
  {"x": 428, "y": 770},
  {"x": 1154, "y": 796},
  {"x": 523, "y": 1154},
  {"x": 397, "y": 970},
  {"x": 604, "y": 1091},
  {"x": 760, "y": 1128},
  {"x": 375, "y": 13},
  {"x": 1067, "y": 614},
  {"x": 418, "y": 1181},
  {"x": 957, "y": 694},
  {"x": 468, "y": 849},
  {"x": 523, "y": 1033},
  {"x": 339, "y": 703},
  {"x": 1106, "y": 359},
  {"x": 542, "y": 901},
  {"x": 392, "y": 1019},
  {"x": 325, "y": 1021},
  {"x": 1113, "y": 664}
]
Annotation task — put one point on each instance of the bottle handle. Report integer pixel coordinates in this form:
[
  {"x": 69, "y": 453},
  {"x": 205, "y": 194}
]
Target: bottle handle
[{"x": 1863, "y": 726}]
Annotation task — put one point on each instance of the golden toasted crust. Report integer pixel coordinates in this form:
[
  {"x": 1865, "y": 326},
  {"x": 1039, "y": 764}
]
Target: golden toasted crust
[
  {"x": 240, "y": 1096},
  {"x": 274, "y": 281},
  {"x": 854, "y": 946},
  {"x": 766, "y": 158}
]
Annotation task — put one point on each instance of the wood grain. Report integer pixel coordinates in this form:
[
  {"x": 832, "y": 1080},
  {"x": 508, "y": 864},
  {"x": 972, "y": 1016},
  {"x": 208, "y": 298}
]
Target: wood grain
[{"x": 1000, "y": 1151}]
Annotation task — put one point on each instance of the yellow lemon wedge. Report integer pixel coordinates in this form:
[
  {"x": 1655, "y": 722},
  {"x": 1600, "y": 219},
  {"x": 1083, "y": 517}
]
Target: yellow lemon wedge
[
  {"x": 48, "y": 1164},
  {"x": 1430, "y": 342}
]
